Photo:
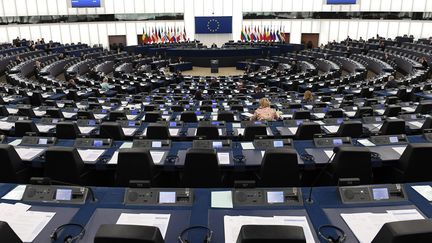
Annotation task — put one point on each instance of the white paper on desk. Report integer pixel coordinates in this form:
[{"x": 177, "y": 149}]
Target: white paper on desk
[
  {"x": 221, "y": 199},
  {"x": 15, "y": 142},
  {"x": 129, "y": 131},
  {"x": 247, "y": 114},
  {"x": 86, "y": 130},
  {"x": 408, "y": 109},
  {"x": 69, "y": 114},
  {"x": 332, "y": 129},
  {"x": 262, "y": 153},
  {"x": 220, "y": 131},
  {"x": 286, "y": 116},
  {"x": 319, "y": 115},
  {"x": 90, "y": 155},
  {"x": 44, "y": 128},
  {"x": 114, "y": 159},
  {"x": 236, "y": 125},
  {"x": 6, "y": 126},
  {"x": 173, "y": 131},
  {"x": 416, "y": 123},
  {"x": 247, "y": 145},
  {"x": 233, "y": 224},
  {"x": 379, "y": 111},
  {"x": 424, "y": 190},
  {"x": 320, "y": 122},
  {"x": 240, "y": 131},
  {"x": 350, "y": 113},
  {"x": 131, "y": 117},
  {"x": 40, "y": 113},
  {"x": 399, "y": 150},
  {"x": 157, "y": 220},
  {"x": 293, "y": 130},
  {"x": 100, "y": 116},
  {"x": 126, "y": 145},
  {"x": 28, "y": 154},
  {"x": 157, "y": 156},
  {"x": 12, "y": 110},
  {"x": 366, "y": 142},
  {"x": 16, "y": 193},
  {"x": 405, "y": 214},
  {"x": 365, "y": 226},
  {"x": 223, "y": 158},
  {"x": 328, "y": 153},
  {"x": 26, "y": 224}
]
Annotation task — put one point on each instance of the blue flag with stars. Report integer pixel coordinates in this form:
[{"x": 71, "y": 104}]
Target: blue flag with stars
[{"x": 213, "y": 25}]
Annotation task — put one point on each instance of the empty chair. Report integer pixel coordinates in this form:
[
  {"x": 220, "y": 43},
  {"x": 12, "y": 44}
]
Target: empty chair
[
  {"x": 201, "y": 169},
  {"x": 351, "y": 162},
  {"x": 134, "y": 164},
  {"x": 12, "y": 168},
  {"x": 209, "y": 132},
  {"x": 363, "y": 111},
  {"x": 81, "y": 114},
  {"x": 54, "y": 113},
  {"x": 117, "y": 115},
  {"x": 392, "y": 100},
  {"x": 206, "y": 108},
  {"x": 157, "y": 131},
  {"x": 111, "y": 130},
  {"x": 251, "y": 132},
  {"x": 279, "y": 168},
  {"x": 414, "y": 164},
  {"x": 67, "y": 130},
  {"x": 237, "y": 107},
  {"x": 227, "y": 116},
  {"x": 427, "y": 124},
  {"x": 152, "y": 116},
  {"x": 352, "y": 129},
  {"x": 65, "y": 164},
  {"x": 188, "y": 116},
  {"x": 334, "y": 113},
  {"x": 392, "y": 110},
  {"x": 177, "y": 108},
  {"x": 424, "y": 108},
  {"x": 24, "y": 127},
  {"x": 26, "y": 112},
  {"x": 301, "y": 115},
  {"x": 307, "y": 130},
  {"x": 393, "y": 127}
]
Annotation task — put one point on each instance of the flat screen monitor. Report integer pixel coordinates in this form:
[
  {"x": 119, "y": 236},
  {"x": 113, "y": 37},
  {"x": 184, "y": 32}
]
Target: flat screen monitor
[
  {"x": 43, "y": 141},
  {"x": 217, "y": 144},
  {"x": 380, "y": 193},
  {"x": 167, "y": 197},
  {"x": 275, "y": 197},
  {"x": 278, "y": 144},
  {"x": 97, "y": 143},
  {"x": 63, "y": 194},
  {"x": 337, "y": 142},
  {"x": 156, "y": 144},
  {"x": 394, "y": 139}
]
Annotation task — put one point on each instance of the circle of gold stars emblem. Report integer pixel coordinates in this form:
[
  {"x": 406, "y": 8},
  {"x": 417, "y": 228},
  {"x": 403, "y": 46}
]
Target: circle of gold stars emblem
[{"x": 211, "y": 24}]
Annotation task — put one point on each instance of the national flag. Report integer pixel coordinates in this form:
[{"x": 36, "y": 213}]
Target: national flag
[
  {"x": 242, "y": 36},
  {"x": 184, "y": 34}
]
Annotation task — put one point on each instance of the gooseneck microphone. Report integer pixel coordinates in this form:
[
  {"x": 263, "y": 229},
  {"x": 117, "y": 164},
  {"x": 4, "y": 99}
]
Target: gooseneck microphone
[{"x": 335, "y": 151}]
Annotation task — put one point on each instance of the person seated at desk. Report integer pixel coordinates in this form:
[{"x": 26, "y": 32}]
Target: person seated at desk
[
  {"x": 198, "y": 95},
  {"x": 294, "y": 67},
  {"x": 71, "y": 84},
  {"x": 38, "y": 67},
  {"x": 105, "y": 85},
  {"x": 391, "y": 83},
  {"x": 18, "y": 60},
  {"x": 307, "y": 96},
  {"x": 424, "y": 62},
  {"x": 264, "y": 112},
  {"x": 214, "y": 45},
  {"x": 259, "y": 94}
]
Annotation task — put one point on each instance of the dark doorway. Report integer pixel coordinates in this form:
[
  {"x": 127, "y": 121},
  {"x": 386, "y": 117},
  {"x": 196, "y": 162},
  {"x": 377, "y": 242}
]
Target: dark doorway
[
  {"x": 117, "y": 41},
  {"x": 310, "y": 40}
]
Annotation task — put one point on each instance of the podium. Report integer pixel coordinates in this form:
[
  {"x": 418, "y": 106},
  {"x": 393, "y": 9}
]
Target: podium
[{"x": 214, "y": 66}]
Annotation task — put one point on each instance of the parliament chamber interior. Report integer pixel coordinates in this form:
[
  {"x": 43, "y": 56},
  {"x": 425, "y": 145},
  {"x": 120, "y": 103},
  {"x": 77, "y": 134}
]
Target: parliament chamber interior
[{"x": 236, "y": 121}]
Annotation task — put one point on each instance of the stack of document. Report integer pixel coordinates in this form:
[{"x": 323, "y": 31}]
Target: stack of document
[
  {"x": 90, "y": 155},
  {"x": 26, "y": 224},
  {"x": 233, "y": 224},
  {"x": 157, "y": 220},
  {"x": 366, "y": 226}
]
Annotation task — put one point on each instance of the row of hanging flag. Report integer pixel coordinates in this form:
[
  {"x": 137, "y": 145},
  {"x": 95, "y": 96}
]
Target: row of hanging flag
[
  {"x": 257, "y": 33},
  {"x": 163, "y": 35}
]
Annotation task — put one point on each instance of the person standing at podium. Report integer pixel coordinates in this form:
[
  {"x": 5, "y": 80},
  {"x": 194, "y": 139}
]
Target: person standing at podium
[{"x": 264, "y": 112}]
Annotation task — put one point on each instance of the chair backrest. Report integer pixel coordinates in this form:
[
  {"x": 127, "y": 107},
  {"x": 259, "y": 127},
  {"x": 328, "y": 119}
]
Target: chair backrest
[
  {"x": 64, "y": 164},
  {"x": 352, "y": 129},
  {"x": 227, "y": 116},
  {"x": 364, "y": 111},
  {"x": 415, "y": 162},
  {"x": 352, "y": 162},
  {"x": 392, "y": 110},
  {"x": 201, "y": 168},
  {"x": 157, "y": 131},
  {"x": 152, "y": 116},
  {"x": 23, "y": 127},
  {"x": 67, "y": 130},
  {"x": 307, "y": 130},
  {"x": 252, "y": 131},
  {"x": 111, "y": 130},
  {"x": 134, "y": 164},
  {"x": 335, "y": 113},
  {"x": 427, "y": 123},
  {"x": 302, "y": 115},
  {"x": 393, "y": 127},
  {"x": 424, "y": 108},
  {"x": 209, "y": 132},
  {"x": 188, "y": 116},
  {"x": 10, "y": 164},
  {"x": 279, "y": 168},
  {"x": 85, "y": 115},
  {"x": 54, "y": 113},
  {"x": 117, "y": 115},
  {"x": 26, "y": 112}
]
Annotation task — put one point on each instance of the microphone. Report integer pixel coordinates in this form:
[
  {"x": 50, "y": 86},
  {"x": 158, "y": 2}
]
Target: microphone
[{"x": 335, "y": 151}]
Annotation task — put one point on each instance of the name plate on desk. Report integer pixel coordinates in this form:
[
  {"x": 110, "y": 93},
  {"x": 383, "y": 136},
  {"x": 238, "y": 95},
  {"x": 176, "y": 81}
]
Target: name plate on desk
[
  {"x": 38, "y": 141},
  {"x": 211, "y": 144},
  {"x": 102, "y": 143},
  {"x": 388, "y": 139},
  {"x": 154, "y": 196},
  {"x": 332, "y": 142},
  {"x": 272, "y": 143},
  {"x": 55, "y": 194},
  {"x": 145, "y": 143},
  {"x": 372, "y": 193},
  {"x": 267, "y": 197}
]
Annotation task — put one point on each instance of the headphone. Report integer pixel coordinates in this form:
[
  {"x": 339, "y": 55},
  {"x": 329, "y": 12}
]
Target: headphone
[
  {"x": 239, "y": 158},
  {"x": 307, "y": 157},
  {"x": 69, "y": 238},
  {"x": 341, "y": 234},
  {"x": 207, "y": 239}
]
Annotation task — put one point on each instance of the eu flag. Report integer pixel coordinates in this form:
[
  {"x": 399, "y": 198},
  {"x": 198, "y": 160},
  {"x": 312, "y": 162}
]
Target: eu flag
[{"x": 213, "y": 25}]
